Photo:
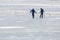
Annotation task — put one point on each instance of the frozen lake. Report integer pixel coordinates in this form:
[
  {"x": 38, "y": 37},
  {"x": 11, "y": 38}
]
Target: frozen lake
[
  {"x": 23, "y": 27},
  {"x": 16, "y": 22}
]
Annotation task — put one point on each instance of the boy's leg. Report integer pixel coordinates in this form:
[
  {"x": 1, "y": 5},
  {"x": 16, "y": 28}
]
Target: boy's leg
[
  {"x": 42, "y": 15},
  {"x": 32, "y": 16}
]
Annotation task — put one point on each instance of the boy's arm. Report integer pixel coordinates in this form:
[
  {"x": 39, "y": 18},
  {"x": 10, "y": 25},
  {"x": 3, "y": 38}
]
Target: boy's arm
[
  {"x": 35, "y": 12},
  {"x": 43, "y": 11}
]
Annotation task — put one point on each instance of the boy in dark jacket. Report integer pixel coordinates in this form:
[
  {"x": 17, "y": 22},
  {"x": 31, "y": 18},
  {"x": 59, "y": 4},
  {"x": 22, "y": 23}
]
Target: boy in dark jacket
[
  {"x": 33, "y": 12},
  {"x": 41, "y": 15}
]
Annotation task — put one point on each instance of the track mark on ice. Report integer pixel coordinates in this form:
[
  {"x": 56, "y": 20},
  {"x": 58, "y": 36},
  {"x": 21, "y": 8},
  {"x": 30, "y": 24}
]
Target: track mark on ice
[
  {"x": 19, "y": 21},
  {"x": 11, "y": 27}
]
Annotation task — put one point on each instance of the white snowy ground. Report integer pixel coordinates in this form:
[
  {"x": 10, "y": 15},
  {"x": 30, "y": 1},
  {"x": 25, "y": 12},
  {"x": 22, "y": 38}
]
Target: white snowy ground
[
  {"x": 18, "y": 26},
  {"x": 23, "y": 27}
]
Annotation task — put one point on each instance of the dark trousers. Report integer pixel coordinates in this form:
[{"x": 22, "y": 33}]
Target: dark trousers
[
  {"x": 33, "y": 15},
  {"x": 41, "y": 15}
]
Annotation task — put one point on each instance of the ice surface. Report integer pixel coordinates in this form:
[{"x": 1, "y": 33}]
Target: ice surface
[
  {"x": 16, "y": 23},
  {"x": 23, "y": 27}
]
